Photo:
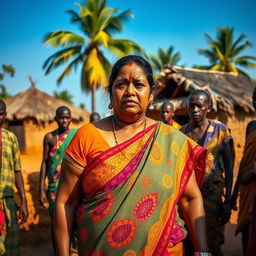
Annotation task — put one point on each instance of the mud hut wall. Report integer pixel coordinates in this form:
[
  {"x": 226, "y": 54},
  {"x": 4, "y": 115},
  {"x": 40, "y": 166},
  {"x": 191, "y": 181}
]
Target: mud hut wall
[{"x": 34, "y": 135}]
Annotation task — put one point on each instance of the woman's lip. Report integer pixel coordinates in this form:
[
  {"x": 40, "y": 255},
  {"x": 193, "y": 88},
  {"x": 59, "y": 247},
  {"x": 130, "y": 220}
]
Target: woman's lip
[{"x": 129, "y": 102}]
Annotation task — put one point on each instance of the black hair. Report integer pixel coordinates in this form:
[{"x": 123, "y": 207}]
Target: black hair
[
  {"x": 201, "y": 92},
  {"x": 93, "y": 116},
  {"x": 167, "y": 103},
  {"x": 254, "y": 93},
  {"x": 62, "y": 108},
  {"x": 128, "y": 60},
  {"x": 2, "y": 105}
]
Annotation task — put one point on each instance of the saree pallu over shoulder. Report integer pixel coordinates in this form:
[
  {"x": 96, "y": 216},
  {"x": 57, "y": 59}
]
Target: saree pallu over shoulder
[
  {"x": 55, "y": 159},
  {"x": 132, "y": 209}
]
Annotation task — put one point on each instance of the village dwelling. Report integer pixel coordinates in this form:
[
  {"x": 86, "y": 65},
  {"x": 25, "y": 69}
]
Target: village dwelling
[
  {"x": 231, "y": 97},
  {"x": 30, "y": 115}
]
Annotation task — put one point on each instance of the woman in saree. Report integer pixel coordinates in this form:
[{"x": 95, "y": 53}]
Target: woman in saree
[{"x": 125, "y": 177}]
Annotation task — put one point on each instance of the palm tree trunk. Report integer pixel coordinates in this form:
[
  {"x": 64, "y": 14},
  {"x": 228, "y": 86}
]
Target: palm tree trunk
[{"x": 93, "y": 98}]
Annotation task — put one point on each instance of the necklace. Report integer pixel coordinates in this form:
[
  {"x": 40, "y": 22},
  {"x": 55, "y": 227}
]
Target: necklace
[{"x": 115, "y": 137}]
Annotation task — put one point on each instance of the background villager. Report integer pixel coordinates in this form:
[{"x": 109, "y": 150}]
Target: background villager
[
  {"x": 245, "y": 186},
  {"x": 94, "y": 116},
  {"x": 54, "y": 146},
  {"x": 217, "y": 139},
  {"x": 10, "y": 176},
  {"x": 123, "y": 176},
  {"x": 167, "y": 114}
]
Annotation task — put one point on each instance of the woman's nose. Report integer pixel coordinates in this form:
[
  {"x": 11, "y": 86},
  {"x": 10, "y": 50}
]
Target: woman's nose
[{"x": 130, "y": 89}]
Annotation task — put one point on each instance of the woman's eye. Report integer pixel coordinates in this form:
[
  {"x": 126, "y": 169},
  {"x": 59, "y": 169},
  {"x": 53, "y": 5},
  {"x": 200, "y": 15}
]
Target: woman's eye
[
  {"x": 139, "y": 85},
  {"x": 120, "y": 85}
]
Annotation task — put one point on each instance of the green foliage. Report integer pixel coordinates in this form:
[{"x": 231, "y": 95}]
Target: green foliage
[
  {"x": 82, "y": 105},
  {"x": 63, "y": 95},
  {"x": 163, "y": 58},
  {"x": 6, "y": 70},
  {"x": 3, "y": 93},
  {"x": 98, "y": 24},
  {"x": 224, "y": 51}
]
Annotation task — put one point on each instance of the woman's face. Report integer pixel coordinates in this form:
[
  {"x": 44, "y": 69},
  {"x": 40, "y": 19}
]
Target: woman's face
[{"x": 130, "y": 93}]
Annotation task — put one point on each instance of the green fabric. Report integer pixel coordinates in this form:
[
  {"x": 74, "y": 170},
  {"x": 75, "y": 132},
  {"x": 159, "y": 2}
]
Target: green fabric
[
  {"x": 10, "y": 163},
  {"x": 9, "y": 242},
  {"x": 53, "y": 170},
  {"x": 142, "y": 211}
]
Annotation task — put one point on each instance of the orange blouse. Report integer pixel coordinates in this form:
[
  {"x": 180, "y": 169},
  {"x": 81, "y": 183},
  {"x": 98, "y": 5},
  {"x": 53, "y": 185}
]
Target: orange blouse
[{"x": 86, "y": 145}]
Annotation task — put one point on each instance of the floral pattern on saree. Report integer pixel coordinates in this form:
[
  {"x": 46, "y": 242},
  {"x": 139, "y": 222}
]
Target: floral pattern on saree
[{"x": 130, "y": 205}]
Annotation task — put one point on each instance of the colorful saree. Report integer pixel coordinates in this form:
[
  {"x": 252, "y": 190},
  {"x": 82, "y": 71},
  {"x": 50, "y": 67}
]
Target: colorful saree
[
  {"x": 54, "y": 165},
  {"x": 175, "y": 125},
  {"x": 131, "y": 193}
]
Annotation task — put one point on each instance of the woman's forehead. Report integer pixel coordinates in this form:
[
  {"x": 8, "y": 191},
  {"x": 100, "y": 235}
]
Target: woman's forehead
[{"x": 131, "y": 69}]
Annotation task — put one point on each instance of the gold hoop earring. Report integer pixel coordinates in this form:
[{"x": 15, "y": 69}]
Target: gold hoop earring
[{"x": 110, "y": 106}]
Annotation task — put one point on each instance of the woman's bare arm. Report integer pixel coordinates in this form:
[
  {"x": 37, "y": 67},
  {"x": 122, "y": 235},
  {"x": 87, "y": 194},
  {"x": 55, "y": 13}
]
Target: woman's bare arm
[
  {"x": 192, "y": 207},
  {"x": 68, "y": 197}
]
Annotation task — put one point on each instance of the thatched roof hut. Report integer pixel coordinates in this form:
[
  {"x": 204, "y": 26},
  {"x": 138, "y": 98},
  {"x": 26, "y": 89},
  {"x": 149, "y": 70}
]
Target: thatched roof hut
[
  {"x": 227, "y": 90},
  {"x": 231, "y": 96},
  {"x": 39, "y": 106},
  {"x": 30, "y": 115}
]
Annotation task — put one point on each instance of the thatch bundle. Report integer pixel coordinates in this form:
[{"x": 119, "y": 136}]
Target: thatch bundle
[
  {"x": 227, "y": 90},
  {"x": 37, "y": 105}
]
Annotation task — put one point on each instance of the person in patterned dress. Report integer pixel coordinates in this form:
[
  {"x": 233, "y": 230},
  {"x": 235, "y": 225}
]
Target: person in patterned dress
[
  {"x": 216, "y": 138},
  {"x": 54, "y": 146},
  {"x": 10, "y": 179}
]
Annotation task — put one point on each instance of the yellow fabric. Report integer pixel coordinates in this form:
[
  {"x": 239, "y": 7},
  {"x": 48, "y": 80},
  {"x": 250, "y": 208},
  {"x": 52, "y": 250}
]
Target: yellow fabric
[{"x": 175, "y": 125}]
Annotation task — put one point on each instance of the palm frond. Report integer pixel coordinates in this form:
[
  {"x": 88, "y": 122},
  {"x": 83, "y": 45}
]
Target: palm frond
[
  {"x": 68, "y": 69},
  {"x": 123, "y": 47},
  {"x": 60, "y": 57},
  {"x": 63, "y": 39}
]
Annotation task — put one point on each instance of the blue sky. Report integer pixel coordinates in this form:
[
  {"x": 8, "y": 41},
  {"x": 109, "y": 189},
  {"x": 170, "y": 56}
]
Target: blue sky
[{"x": 162, "y": 23}]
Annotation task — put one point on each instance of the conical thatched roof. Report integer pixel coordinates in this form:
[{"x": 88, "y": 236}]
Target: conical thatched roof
[
  {"x": 227, "y": 90},
  {"x": 40, "y": 106}
]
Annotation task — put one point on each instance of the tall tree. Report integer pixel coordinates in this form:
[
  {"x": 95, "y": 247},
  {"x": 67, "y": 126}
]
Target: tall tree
[
  {"x": 63, "y": 95},
  {"x": 224, "y": 52},
  {"x": 6, "y": 69},
  {"x": 98, "y": 23},
  {"x": 162, "y": 58}
]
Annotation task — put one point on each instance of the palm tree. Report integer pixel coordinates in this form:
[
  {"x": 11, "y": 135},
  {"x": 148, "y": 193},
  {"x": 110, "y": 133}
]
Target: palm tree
[
  {"x": 6, "y": 69},
  {"x": 224, "y": 52},
  {"x": 63, "y": 95},
  {"x": 98, "y": 23},
  {"x": 162, "y": 58}
]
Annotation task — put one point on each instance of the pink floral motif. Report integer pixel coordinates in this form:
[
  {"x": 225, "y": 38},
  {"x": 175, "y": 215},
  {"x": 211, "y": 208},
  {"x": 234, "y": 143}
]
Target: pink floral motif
[
  {"x": 103, "y": 208},
  {"x": 146, "y": 206},
  {"x": 121, "y": 233}
]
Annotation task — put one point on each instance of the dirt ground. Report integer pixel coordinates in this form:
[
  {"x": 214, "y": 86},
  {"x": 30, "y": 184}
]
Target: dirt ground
[{"x": 41, "y": 246}]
